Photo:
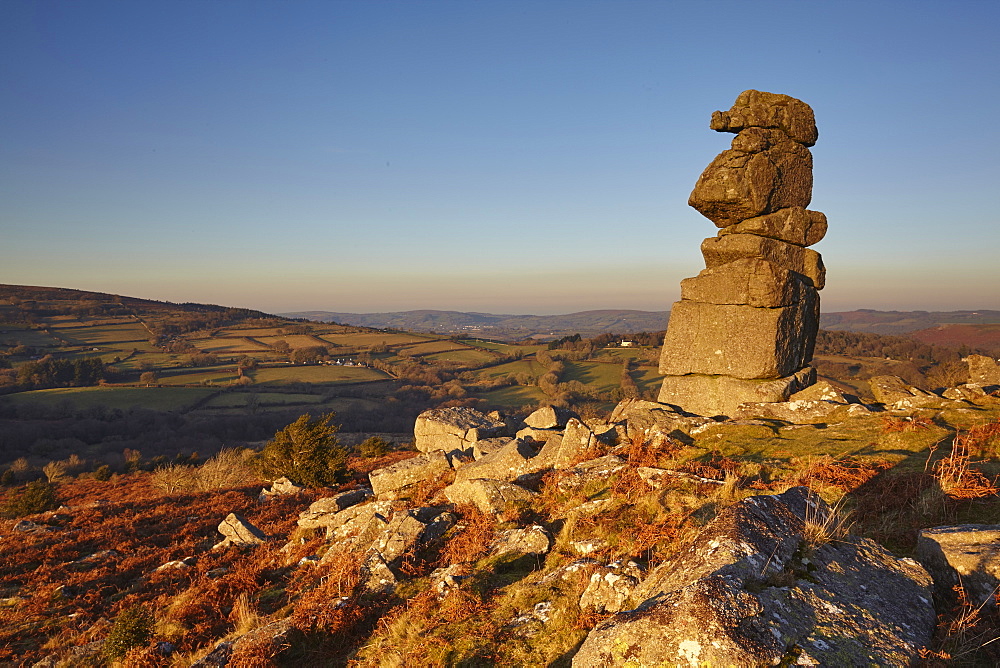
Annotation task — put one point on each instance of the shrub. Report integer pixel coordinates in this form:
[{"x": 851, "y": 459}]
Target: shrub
[
  {"x": 103, "y": 473},
  {"x": 35, "y": 497},
  {"x": 132, "y": 628},
  {"x": 373, "y": 447},
  {"x": 306, "y": 452}
]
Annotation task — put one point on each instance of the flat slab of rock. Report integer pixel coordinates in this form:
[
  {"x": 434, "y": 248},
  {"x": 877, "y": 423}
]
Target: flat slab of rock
[
  {"x": 752, "y": 281},
  {"x": 795, "y": 225},
  {"x": 722, "y": 395},
  {"x": 320, "y": 513},
  {"x": 801, "y": 411},
  {"x": 738, "y": 340},
  {"x": 508, "y": 463},
  {"x": 751, "y": 591},
  {"x": 528, "y": 540},
  {"x": 890, "y": 389},
  {"x": 489, "y": 496},
  {"x": 454, "y": 428},
  {"x": 645, "y": 419},
  {"x": 388, "y": 482},
  {"x": 727, "y": 248},
  {"x": 966, "y": 554}
]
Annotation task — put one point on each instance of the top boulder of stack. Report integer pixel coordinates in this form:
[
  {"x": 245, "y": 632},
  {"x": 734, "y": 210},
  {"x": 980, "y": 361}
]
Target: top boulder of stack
[{"x": 757, "y": 109}]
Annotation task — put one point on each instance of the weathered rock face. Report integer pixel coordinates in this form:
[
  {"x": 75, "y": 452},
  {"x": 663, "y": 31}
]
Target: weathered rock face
[
  {"x": 890, "y": 389},
  {"x": 549, "y": 417},
  {"x": 983, "y": 370},
  {"x": 745, "y": 328},
  {"x": 454, "y": 428},
  {"x": 490, "y": 496},
  {"x": 389, "y": 481},
  {"x": 967, "y": 554},
  {"x": 752, "y": 591},
  {"x": 722, "y": 395}
]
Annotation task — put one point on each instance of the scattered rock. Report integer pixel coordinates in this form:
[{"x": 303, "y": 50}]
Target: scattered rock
[
  {"x": 390, "y": 481},
  {"x": 485, "y": 446},
  {"x": 529, "y": 540},
  {"x": 454, "y": 428},
  {"x": 610, "y": 587},
  {"x": 983, "y": 370},
  {"x": 549, "y": 417},
  {"x": 966, "y": 554},
  {"x": 236, "y": 530},
  {"x": 801, "y": 411},
  {"x": 489, "y": 496},
  {"x": 890, "y": 389},
  {"x": 320, "y": 513},
  {"x": 508, "y": 463},
  {"x": 967, "y": 392}
]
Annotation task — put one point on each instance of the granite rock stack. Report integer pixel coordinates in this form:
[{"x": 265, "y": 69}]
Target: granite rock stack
[{"x": 745, "y": 327}]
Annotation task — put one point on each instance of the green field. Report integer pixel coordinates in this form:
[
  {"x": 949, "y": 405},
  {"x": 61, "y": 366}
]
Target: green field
[
  {"x": 358, "y": 339},
  {"x": 197, "y": 376},
  {"x": 29, "y": 337},
  {"x": 431, "y": 347},
  {"x": 241, "y": 399},
  {"x": 293, "y": 340},
  {"x": 463, "y": 356},
  {"x": 227, "y": 345},
  {"x": 647, "y": 378},
  {"x": 602, "y": 376},
  {"x": 513, "y": 397},
  {"x": 530, "y": 367},
  {"x": 315, "y": 374},
  {"x": 130, "y": 333},
  {"x": 504, "y": 348},
  {"x": 155, "y": 398}
]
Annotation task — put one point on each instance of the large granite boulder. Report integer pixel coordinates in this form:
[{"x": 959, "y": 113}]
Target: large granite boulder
[
  {"x": 967, "y": 555},
  {"x": 766, "y": 584},
  {"x": 727, "y": 248},
  {"x": 795, "y": 225},
  {"x": 549, "y": 417},
  {"x": 392, "y": 480},
  {"x": 321, "y": 512},
  {"x": 646, "y": 419},
  {"x": 722, "y": 395},
  {"x": 509, "y": 463},
  {"x": 489, "y": 496},
  {"x": 739, "y": 341},
  {"x": 801, "y": 411},
  {"x": 236, "y": 530},
  {"x": 890, "y": 389},
  {"x": 454, "y": 428},
  {"x": 752, "y": 281},
  {"x": 762, "y": 172},
  {"x": 983, "y": 370},
  {"x": 757, "y": 109}
]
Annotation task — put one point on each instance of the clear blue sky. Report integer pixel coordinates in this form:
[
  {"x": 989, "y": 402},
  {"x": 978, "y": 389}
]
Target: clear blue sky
[{"x": 528, "y": 157}]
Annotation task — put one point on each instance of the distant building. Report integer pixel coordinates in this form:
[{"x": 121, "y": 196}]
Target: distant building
[{"x": 627, "y": 344}]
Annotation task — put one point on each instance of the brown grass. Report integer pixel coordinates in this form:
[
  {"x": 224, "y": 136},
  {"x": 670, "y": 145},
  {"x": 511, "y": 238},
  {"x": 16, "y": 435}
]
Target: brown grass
[{"x": 958, "y": 478}]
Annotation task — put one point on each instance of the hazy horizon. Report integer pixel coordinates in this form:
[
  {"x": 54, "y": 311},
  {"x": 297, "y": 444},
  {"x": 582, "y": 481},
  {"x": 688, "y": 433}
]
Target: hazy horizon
[{"x": 502, "y": 157}]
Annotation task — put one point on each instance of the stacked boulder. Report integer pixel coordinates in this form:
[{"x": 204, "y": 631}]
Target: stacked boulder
[{"x": 745, "y": 327}]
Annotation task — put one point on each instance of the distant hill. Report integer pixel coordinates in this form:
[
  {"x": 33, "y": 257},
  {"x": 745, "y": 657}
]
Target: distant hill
[
  {"x": 903, "y": 322},
  {"x": 592, "y": 323},
  {"x": 587, "y": 323}
]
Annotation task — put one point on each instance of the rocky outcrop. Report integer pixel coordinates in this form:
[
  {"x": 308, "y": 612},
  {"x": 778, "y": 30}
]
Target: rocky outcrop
[
  {"x": 390, "y": 481},
  {"x": 454, "y": 428},
  {"x": 765, "y": 584},
  {"x": 321, "y": 513},
  {"x": 745, "y": 328},
  {"x": 489, "y": 496},
  {"x": 983, "y": 370},
  {"x": 966, "y": 555}
]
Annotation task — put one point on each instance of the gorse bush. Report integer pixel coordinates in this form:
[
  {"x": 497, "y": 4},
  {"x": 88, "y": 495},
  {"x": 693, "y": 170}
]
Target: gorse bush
[
  {"x": 35, "y": 497},
  {"x": 306, "y": 452},
  {"x": 373, "y": 447},
  {"x": 132, "y": 628}
]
